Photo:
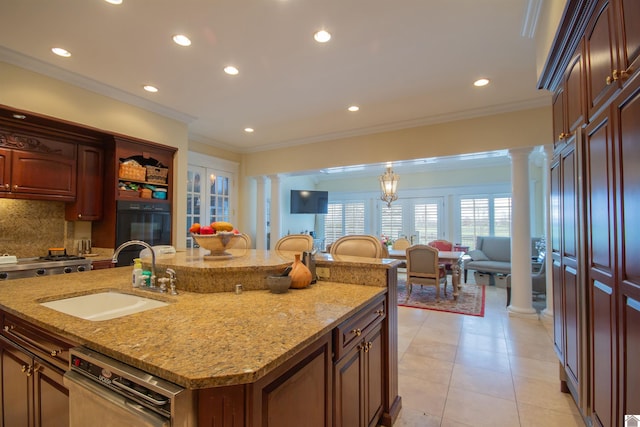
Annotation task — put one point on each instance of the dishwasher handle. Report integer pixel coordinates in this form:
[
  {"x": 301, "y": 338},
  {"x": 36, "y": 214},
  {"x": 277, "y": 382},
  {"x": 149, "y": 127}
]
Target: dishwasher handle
[{"x": 149, "y": 399}]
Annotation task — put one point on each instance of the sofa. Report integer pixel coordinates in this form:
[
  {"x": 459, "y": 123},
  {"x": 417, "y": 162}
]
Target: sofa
[{"x": 492, "y": 255}]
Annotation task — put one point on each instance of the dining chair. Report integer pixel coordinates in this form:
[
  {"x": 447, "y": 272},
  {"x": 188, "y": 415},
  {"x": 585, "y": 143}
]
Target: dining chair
[
  {"x": 443, "y": 245},
  {"x": 295, "y": 242},
  {"x": 401, "y": 243},
  {"x": 362, "y": 245},
  {"x": 423, "y": 268}
]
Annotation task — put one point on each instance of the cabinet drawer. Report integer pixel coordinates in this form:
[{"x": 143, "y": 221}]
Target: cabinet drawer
[
  {"x": 351, "y": 332},
  {"x": 39, "y": 342}
]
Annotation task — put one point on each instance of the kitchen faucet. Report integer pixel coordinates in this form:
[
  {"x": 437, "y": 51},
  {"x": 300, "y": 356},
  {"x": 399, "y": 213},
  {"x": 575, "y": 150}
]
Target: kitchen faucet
[{"x": 152, "y": 283}]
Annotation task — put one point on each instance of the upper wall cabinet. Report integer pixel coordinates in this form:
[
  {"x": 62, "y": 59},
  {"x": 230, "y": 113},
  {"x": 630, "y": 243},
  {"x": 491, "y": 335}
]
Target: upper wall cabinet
[
  {"x": 37, "y": 167},
  {"x": 629, "y": 36},
  {"x": 612, "y": 47},
  {"x": 88, "y": 203},
  {"x": 601, "y": 57},
  {"x": 568, "y": 105}
]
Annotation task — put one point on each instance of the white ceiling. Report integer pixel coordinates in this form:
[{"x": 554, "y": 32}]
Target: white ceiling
[{"x": 404, "y": 62}]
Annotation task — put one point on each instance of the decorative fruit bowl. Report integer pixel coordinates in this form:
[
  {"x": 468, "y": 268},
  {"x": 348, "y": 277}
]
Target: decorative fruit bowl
[{"x": 216, "y": 243}]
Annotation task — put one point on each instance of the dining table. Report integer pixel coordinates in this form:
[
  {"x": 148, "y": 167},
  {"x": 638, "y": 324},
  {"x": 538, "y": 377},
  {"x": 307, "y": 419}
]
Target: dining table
[{"x": 444, "y": 257}]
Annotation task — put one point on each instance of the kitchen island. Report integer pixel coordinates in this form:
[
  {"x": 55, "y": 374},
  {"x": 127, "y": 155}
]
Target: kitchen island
[{"x": 248, "y": 351}]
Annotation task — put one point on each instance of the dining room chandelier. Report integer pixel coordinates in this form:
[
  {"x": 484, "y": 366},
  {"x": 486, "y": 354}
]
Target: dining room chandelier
[{"x": 389, "y": 186}]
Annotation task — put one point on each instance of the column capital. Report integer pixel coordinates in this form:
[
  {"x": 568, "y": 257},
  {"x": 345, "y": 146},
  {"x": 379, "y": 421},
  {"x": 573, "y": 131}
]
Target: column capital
[{"x": 520, "y": 152}]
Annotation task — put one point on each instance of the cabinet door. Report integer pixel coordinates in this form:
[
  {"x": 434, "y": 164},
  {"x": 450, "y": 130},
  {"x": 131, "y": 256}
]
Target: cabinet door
[
  {"x": 600, "y": 226},
  {"x": 51, "y": 397},
  {"x": 5, "y": 170},
  {"x": 569, "y": 265},
  {"x": 559, "y": 120},
  {"x": 627, "y": 118},
  {"x": 374, "y": 376},
  {"x": 88, "y": 203},
  {"x": 349, "y": 387},
  {"x": 600, "y": 57},
  {"x": 297, "y": 392},
  {"x": 45, "y": 174},
  {"x": 629, "y": 35},
  {"x": 556, "y": 221},
  {"x": 15, "y": 386}
]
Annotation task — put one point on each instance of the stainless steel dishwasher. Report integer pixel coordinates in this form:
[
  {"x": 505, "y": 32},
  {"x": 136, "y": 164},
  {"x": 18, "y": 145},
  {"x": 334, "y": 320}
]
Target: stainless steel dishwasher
[{"x": 106, "y": 392}]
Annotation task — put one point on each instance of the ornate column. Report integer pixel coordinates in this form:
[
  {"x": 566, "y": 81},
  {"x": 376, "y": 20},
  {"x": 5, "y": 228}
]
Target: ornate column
[
  {"x": 275, "y": 209},
  {"x": 261, "y": 213},
  {"x": 520, "y": 235},
  {"x": 548, "y": 261}
]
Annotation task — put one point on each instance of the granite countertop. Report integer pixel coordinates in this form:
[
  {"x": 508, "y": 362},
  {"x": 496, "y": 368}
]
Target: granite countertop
[{"x": 199, "y": 340}]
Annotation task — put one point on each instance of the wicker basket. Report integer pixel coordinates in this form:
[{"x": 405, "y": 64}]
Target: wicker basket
[
  {"x": 157, "y": 175},
  {"x": 132, "y": 172}
]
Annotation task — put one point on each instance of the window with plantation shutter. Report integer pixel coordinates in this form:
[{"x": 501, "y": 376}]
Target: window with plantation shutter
[
  {"x": 484, "y": 216},
  {"x": 391, "y": 221},
  {"x": 426, "y": 222},
  {"x": 502, "y": 216},
  {"x": 343, "y": 218}
]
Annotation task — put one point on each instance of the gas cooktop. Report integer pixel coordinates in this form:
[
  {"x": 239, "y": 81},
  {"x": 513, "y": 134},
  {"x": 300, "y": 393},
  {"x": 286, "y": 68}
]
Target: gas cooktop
[{"x": 44, "y": 266}]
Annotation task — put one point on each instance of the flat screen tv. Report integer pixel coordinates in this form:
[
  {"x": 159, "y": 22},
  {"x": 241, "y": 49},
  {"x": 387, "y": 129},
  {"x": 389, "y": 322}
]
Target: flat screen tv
[{"x": 309, "y": 202}]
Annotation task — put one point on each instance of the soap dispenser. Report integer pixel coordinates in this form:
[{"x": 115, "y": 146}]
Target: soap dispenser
[{"x": 136, "y": 276}]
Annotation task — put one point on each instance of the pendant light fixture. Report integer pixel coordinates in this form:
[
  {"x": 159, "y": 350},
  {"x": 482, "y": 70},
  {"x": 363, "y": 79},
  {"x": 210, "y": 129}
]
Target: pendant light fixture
[{"x": 389, "y": 186}]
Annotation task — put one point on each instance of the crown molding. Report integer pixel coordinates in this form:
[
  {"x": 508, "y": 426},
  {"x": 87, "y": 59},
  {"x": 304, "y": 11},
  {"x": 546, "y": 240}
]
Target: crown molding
[{"x": 32, "y": 64}]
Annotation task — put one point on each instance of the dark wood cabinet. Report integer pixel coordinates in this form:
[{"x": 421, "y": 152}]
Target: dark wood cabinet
[
  {"x": 33, "y": 393},
  {"x": 359, "y": 369},
  {"x": 88, "y": 203},
  {"x": 338, "y": 380},
  {"x": 358, "y": 383},
  {"x": 569, "y": 294},
  {"x": 102, "y": 264},
  {"x": 626, "y": 137},
  {"x": 37, "y": 167},
  {"x": 32, "y": 364},
  {"x": 629, "y": 37},
  {"x": 103, "y": 231},
  {"x": 601, "y": 57},
  {"x": 5, "y": 170},
  {"x": 600, "y": 293},
  {"x": 600, "y": 233}
]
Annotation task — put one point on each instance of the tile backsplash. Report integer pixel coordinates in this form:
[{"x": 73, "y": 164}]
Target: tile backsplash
[{"x": 28, "y": 228}]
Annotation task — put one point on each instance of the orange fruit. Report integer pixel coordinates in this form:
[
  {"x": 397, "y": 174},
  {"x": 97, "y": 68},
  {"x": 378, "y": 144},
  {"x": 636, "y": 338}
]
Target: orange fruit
[{"x": 195, "y": 228}]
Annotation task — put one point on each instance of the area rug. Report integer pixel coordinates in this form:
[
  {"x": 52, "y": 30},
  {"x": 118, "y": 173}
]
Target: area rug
[{"x": 470, "y": 299}]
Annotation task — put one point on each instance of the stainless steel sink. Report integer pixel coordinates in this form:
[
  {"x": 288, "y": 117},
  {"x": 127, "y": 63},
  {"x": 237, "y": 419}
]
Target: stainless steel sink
[{"x": 103, "y": 305}]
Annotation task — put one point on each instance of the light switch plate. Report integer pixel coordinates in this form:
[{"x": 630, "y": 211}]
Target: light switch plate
[{"x": 323, "y": 272}]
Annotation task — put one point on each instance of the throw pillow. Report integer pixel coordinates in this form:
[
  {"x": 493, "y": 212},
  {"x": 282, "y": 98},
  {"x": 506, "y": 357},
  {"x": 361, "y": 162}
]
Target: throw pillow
[{"x": 477, "y": 255}]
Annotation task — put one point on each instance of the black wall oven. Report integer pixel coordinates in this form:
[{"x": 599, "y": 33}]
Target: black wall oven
[{"x": 147, "y": 221}]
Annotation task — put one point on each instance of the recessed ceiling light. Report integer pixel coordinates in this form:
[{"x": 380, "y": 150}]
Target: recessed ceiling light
[
  {"x": 150, "y": 88},
  {"x": 322, "y": 36},
  {"x": 481, "y": 82},
  {"x": 61, "y": 52},
  {"x": 114, "y": 1},
  {"x": 231, "y": 70},
  {"x": 19, "y": 116},
  {"x": 182, "y": 40},
  {"x": 353, "y": 108},
  {"x": 248, "y": 130}
]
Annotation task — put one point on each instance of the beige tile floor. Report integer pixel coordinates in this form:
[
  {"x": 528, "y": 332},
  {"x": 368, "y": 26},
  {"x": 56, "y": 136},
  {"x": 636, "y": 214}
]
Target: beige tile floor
[{"x": 496, "y": 370}]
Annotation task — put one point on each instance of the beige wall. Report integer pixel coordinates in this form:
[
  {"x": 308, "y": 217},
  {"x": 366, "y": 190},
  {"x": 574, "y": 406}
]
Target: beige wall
[
  {"x": 526, "y": 128},
  {"x": 29, "y": 91},
  {"x": 26, "y": 90}
]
